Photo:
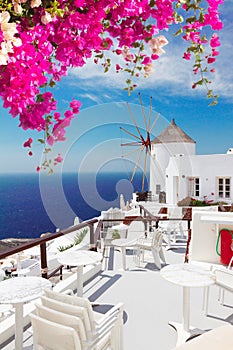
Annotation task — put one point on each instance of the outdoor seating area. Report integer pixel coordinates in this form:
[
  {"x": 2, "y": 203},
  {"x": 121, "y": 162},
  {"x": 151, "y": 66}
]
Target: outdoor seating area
[{"x": 120, "y": 297}]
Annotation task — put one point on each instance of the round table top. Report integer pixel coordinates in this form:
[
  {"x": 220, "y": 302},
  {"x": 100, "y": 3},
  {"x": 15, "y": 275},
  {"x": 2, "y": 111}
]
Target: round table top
[
  {"x": 124, "y": 242},
  {"x": 80, "y": 258},
  {"x": 21, "y": 272},
  {"x": 188, "y": 275},
  {"x": 121, "y": 226},
  {"x": 22, "y": 289}
]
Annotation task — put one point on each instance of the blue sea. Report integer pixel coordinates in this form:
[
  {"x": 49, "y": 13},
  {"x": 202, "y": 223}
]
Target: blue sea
[{"x": 31, "y": 204}]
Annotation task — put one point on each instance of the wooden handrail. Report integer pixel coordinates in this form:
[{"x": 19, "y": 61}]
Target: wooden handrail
[
  {"x": 94, "y": 235},
  {"x": 46, "y": 238}
]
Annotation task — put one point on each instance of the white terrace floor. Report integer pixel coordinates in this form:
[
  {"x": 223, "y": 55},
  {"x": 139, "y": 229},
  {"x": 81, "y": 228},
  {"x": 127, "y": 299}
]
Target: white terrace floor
[{"x": 150, "y": 303}]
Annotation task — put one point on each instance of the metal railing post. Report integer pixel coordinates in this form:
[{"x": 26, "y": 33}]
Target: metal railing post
[
  {"x": 43, "y": 256},
  {"x": 92, "y": 237}
]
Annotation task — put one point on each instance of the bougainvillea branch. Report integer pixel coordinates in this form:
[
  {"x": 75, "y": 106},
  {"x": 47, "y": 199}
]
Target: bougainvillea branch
[{"x": 41, "y": 39}]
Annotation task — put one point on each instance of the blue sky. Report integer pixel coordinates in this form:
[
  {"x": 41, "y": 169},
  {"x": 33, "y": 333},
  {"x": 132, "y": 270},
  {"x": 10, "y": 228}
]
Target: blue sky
[{"x": 93, "y": 141}]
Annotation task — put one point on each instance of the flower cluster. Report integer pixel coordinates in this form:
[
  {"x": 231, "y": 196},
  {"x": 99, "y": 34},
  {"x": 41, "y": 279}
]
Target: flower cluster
[
  {"x": 41, "y": 39},
  {"x": 7, "y": 37}
]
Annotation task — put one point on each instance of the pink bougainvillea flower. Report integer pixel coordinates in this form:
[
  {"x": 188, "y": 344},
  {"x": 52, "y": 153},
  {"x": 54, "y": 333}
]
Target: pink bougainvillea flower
[
  {"x": 148, "y": 69},
  {"x": 46, "y": 18},
  {"x": 118, "y": 67},
  {"x": 214, "y": 41},
  {"x": 127, "y": 55},
  {"x": 156, "y": 45},
  {"x": 154, "y": 57},
  {"x": 58, "y": 159},
  {"x": 35, "y": 3},
  {"x": 30, "y": 153},
  {"x": 187, "y": 55},
  {"x": 28, "y": 143},
  {"x": 146, "y": 61},
  {"x": 211, "y": 60},
  {"x": 38, "y": 168},
  {"x": 41, "y": 40},
  {"x": 75, "y": 105},
  {"x": 215, "y": 53},
  {"x": 50, "y": 140}
]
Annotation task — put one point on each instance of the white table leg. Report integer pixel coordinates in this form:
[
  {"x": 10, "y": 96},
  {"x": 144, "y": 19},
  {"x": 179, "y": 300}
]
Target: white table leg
[
  {"x": 18, "y": 326},
  {"x": 186, "y": 308},
  {"x": 80, "y": 281},
  {"x": 183, "y": 330},
  {"x": 123, "y": 252}
]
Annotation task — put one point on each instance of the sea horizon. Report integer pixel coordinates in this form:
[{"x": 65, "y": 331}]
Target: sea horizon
[{"x": 32, "y": 204}]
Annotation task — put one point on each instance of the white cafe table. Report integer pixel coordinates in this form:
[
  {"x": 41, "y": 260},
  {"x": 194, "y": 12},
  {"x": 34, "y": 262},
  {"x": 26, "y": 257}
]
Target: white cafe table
[
  {"x": 17, "y": 291},
  {"x": 187, "y": 276},
  {"x": 123, "y": 243},
  {"x": 20, "y": 272},
  {"x": 80, "y": 258}
]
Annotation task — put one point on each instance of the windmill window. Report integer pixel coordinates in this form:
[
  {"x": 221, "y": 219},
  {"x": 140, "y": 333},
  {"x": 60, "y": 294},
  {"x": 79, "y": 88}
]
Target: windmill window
[
  {"x": 158, "y": 189},
  {"x": 193, "y": 186},
  {"x": 224, "y": 187}
]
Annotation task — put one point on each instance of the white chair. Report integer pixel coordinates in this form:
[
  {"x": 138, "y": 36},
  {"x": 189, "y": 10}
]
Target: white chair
[
  {"x": 173, "y": 229},
  {"x": 154, "y": 245},
  {"x": 95, "y": 323},
  {"x": 224, "y": 280},
  {"x": 2, "y": 275},
  {"x": 53, "y": 336},
  {"x": 216, "y": 339},
  {"x": 76, "y": 323}
]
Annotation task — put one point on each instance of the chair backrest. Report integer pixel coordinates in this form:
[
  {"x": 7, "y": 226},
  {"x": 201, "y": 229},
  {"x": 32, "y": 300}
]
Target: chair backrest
[
  {"x": 66, "y": 320},
  {"x": 224, "y": 278},
  {"x": 2, "y": 275},
  {"x": 157, "y": 239},
  {"x": 73, "y": 300},
  {"x": 53, "y": 336},
  {"x": 69, "y": 309}
]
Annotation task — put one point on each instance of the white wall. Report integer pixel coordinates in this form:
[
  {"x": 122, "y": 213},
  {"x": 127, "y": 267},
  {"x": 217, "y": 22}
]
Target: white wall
[
  {"x": 205, "y": 234},
  {"x": 160, "y": 156},
  {"x": 206, "y": 167}
]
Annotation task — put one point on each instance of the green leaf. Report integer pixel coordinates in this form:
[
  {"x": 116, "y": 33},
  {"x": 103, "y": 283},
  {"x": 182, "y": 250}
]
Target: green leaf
[
  {"x": 52, "y": 83},
  {"x": 213, "y": 103},
  {"x": 180, "y": 19},
  {"x": 201, "y": 17},
  {"x": 39, "y": 98},
  {"x": 200, "y": 82},
  {"x": 101, "y": 55},
  {"x": 179, "y": 31},
  {"x": 136, "y": 44},
  {"x": 41, "y": 141},
  {"x": 210, "y": 93},
  {"x": 191, "y": 19}
]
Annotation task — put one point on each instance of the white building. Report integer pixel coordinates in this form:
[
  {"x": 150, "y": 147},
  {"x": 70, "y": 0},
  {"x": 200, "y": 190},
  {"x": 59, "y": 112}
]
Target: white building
[{"x": 176, "y": 169}]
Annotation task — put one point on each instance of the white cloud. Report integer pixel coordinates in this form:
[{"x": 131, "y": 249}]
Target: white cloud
[
  {"x": 91, "y": 97},
  {"x": 171, "y": 72}
]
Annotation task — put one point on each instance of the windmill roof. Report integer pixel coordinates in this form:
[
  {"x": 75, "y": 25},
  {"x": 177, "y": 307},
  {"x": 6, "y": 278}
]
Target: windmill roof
[{"x": 173, "y": 134}]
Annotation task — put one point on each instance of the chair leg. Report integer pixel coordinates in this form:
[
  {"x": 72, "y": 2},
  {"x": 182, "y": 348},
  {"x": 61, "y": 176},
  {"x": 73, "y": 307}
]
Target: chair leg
[
  {"x": 221, "y": 295},
  {"x": 206, "y": 299},
  {"x": 156, "y": 257},
  {"x": 138, "y": 256},
  {"x": 161, "y": 255}
]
